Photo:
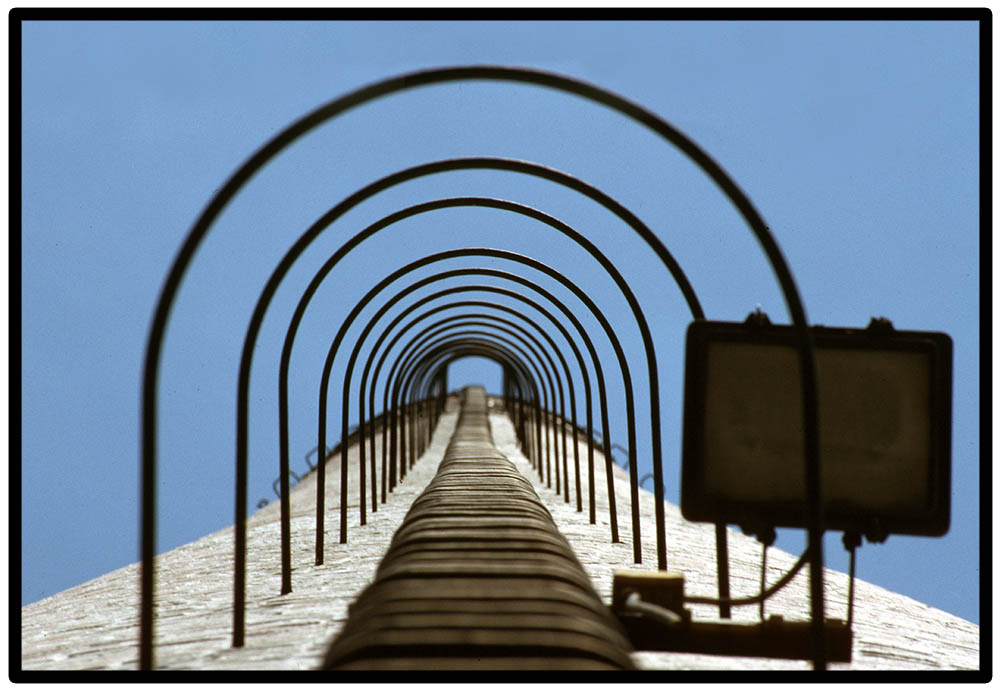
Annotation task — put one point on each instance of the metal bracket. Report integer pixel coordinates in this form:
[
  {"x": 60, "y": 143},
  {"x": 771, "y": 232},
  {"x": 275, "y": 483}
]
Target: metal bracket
[
  {"x": 772, "y": 638},
  {"x": 665, "y": 589}
]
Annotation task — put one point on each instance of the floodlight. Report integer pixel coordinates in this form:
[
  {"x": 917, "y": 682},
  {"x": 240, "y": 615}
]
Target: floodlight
[{"x": 884, "y": 427}]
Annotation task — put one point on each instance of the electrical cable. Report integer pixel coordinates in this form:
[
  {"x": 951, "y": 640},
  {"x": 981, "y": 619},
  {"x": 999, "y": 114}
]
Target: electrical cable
[
  {"x": 749, "y": 600},
  {"x": 634, "y": 603}
]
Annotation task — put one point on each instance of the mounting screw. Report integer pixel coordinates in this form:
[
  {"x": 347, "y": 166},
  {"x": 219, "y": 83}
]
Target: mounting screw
[{"x": 757, "y": 318}]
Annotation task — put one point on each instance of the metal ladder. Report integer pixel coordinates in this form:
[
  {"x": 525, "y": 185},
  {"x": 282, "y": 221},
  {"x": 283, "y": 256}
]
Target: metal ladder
[{"x": 479, "y": 577}]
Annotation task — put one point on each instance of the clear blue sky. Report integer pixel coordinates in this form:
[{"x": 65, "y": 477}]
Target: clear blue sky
[{"x": 858, "y": 142}]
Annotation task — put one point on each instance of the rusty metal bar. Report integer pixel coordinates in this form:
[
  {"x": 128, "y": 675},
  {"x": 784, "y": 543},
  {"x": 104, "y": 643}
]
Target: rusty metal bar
[
  {"x": 419, "y": 263},
  {"x": 773, "y": 638},
  {"x": 623, "y": 287},
  {"x": 407, "y": 374},
  {"x": 565, "y": 310},
  {"x": 572, "y": 394},
  {"x": 526, "y": 382},
  {"x": 519, "y": 297},
  {"x": 579, "y": 239},
  {"x": 478, "y": 541},
  {"x": 495, "y": 306},
  {"x": 481, "y": 322},
  {"x": 479, "y": 251},
  {"x": 548, "y": 371},
  {"x": 458, "y": 348},
  {"x": 636, "y": 309},
  {"x": 330, "y": 110},
  {"x": 650, "y": 354}
]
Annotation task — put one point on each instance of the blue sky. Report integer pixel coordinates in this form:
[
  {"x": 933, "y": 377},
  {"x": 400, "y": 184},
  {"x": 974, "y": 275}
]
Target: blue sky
[{"x": 857, "y": 141}]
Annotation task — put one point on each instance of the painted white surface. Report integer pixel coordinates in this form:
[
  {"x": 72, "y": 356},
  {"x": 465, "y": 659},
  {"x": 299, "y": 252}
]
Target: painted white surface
[
  {"x": 95, "y": 625},
  {"x": 891, "y": 631}
]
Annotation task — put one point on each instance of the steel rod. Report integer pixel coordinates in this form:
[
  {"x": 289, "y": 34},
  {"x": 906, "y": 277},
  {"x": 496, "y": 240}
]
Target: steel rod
[{"x": 374, "y": 91}]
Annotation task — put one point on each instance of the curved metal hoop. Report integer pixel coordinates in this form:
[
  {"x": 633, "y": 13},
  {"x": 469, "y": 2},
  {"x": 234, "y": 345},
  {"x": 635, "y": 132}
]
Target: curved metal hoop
[
  {"x": 408, "y": 81},
  {"x": 418, "y": 367},
  {"x": 446, "y": 354},
  {"x": 622, "y": 284},
  {"x": 501, "y": 324},
  {"x": 499, "y": 353},
  {"x": 478, "y": 319},
  {"x": 543, "y": 371},
  {"x": 545, "y": 294},
  {"x": 437, "y": 380},
  {"x": 384, "y": 223},
  {"x": 623, "y": 363},
  {"x": 374, "y": 350},
  {"x": 362, "y": 427},
  {"x": 264, "y": 300},
  {"x": 393, "y": 381},
  {"x": 536, "y": 306},
  {"x": 427, "y": 169},
  {"x": 459, "y": 346}
]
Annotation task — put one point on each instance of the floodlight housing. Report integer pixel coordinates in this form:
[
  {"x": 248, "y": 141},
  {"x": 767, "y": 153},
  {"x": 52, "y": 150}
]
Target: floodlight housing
[{"x": 884, "y": 427}]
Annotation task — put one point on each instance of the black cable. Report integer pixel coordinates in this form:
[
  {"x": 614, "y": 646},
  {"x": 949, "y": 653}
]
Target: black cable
[
  {"x": 749, "y": 600},
  {"x": 633, "y": 602}
]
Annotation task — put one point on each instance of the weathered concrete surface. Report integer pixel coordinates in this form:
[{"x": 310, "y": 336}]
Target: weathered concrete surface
[
  {"x": 891, "y": 631},
  {"x": 95, "y": 625}
]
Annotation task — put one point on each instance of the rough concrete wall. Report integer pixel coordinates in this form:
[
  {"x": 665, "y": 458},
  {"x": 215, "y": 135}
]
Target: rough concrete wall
[
  {"x": 95, "y": 625},
  {"x": 891, "y": 631}
]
